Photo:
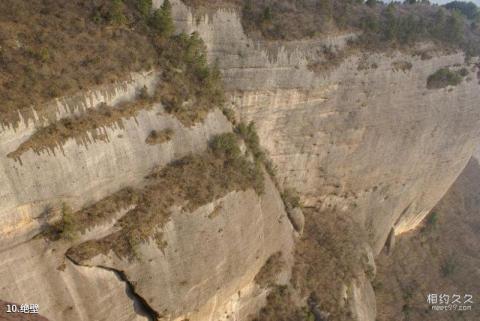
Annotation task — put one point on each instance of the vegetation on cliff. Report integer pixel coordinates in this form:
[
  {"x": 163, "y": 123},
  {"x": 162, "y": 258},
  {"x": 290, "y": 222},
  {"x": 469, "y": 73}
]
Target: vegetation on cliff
[
  {"x": 159, "y": 137},
  {"x": 327, "y": 258},
  {"x": 380, "y": 25},
  {"x": 468, "y": 9},
  {"x": 53, "y": 48},
  {"x": 445, "y": 77},
  {"x": 188, "y": 89},
  {"x": 83, "y": 128},
  {"x": 192, "y": 181}
]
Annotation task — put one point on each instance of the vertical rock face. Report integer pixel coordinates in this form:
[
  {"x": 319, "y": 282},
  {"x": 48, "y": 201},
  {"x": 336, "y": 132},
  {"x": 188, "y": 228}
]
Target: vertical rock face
[
  {"x": 82, "y": 172},
  {"x": 364, "y": 136},
  {"x": 364, "y": 140},
  {"x": 37, "y": 273},
  {"x": 206, "y": 270},
  {"x": 212, "y": 255},
  {"x": 207, "y": 262}
]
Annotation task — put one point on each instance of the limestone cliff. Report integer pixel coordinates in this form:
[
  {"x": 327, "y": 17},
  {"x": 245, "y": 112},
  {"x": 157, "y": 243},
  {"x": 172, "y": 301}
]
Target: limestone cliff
[
  {"x": 105, "y": 224},
  {"x": 209, "y": 258},
  {"x": 366, "y": 136}
]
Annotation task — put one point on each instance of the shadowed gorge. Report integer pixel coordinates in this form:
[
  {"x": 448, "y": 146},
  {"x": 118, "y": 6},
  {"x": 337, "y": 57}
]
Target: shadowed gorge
[{"x": 440, "y": 257}]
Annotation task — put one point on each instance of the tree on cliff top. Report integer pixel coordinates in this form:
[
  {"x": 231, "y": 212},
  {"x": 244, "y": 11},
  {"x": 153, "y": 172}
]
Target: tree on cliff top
[
  {"x": 162, "y": 21},
  {"x": 381, "y": 25},
  {"x": 468, "y": 9}
]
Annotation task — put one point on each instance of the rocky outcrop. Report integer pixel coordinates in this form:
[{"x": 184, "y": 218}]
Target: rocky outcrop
[
  {"x": 203, "y": 282},
  {"x": 207, "y": 262},
  {"x": 80, "y": 173},
  {"x": 205, "y": 271},
  {"x": 364, "y": 136},
  {"x": 38, "y": 273},
  {"x": 363, "y": 305}
]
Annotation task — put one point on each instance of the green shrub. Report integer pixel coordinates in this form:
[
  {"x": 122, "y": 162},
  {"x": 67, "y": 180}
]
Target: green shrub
[
  {"x": 67, "y": 226},
  {"x": 250, "y": 136},
  {"x": 463, "y": 72},
  {"x": 442, "y": 78},
  {"x": 143, "y": 93},
  {"x": 230, "y": 114},
  {"x": 432, "y": 221},
  {"x": 398, "y": 24},
  {"x": 145, "y": 7},
  {"x": 468, "y": 9},
  {"x": 227, "y": 145},
  {"x": 291, "y": 198},
  {"x": 454, "y": 28},
  {"x": 448, "y": 267},
  {"x": 159, "y": 137},
  {"x": 190, "y": 87},
  {"x": 161, "y": 20},
  {"x": 116, "y": 14},
  {"x": 267, "y": 15}
]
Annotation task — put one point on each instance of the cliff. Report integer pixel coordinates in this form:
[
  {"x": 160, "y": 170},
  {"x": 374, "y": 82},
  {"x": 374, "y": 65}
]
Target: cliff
[
  {"x": 367, "y": 136},
  {"x": 238, "y": 231},
  {"x": 152, "y": 214}
]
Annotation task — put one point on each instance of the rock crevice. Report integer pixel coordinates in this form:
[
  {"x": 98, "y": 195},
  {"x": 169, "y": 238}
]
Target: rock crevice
[{"x": 140, "y": 305}]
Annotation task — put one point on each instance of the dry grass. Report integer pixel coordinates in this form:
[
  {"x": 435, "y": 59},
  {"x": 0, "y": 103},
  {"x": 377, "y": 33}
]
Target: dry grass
[
  {"x": 401, "y": 65},
  {"x": 214, "y": 3},
  {"x": 82, "y": 128},
  {"x": 267, "y": 275},
  {"x": 52, "y": 48},
  {"x": 281, "y": 19},
  {"x": 189, "y": 89},
  {"x": 328, "y": 255},
  {"x": 192, "y": 181},
  {"x": 160, "y": 137},
  {"x": 281, "y": 307},
  {"x": 331, "y": 58},
  {"x": 102, "y": 212}
]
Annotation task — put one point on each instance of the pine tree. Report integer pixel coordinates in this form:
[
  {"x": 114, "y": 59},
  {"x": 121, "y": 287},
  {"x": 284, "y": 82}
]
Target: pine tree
[
  {"x": 145, "y": 7},
  {"x": 162, "y": 19}
]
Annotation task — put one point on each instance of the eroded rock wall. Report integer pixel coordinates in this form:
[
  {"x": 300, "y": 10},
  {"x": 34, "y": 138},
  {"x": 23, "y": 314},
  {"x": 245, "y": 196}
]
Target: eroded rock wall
[
  {"x": 204, "y": 269},
  {"x": 80, "y": 173},
  {"x": 365, "y": 136},
  {"x": 205, "y": 272}
]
